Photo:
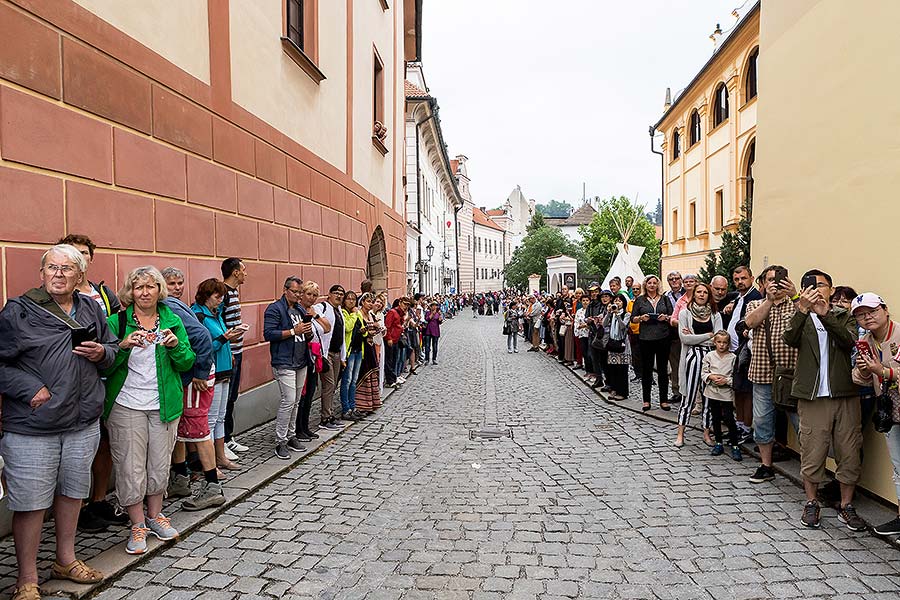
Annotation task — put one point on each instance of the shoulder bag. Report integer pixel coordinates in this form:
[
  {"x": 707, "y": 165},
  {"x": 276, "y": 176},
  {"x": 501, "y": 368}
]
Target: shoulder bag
[{"x": 782, "y": 377}]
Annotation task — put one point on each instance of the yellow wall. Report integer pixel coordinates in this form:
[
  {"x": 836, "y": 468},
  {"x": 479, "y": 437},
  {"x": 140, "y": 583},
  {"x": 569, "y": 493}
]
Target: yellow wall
[
  {"x": 828, "y": 163},
  {"x": 178, "y": 31},
  {"x": 715, "y": 162},
  {"x": 266, "y": 82}
]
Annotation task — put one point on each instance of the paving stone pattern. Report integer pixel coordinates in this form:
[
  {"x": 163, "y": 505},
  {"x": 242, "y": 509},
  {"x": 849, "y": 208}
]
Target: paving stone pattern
[{"x": 585, "y": 501}]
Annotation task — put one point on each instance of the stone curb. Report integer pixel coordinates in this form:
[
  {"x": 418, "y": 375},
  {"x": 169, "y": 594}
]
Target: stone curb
[
  {"x": 115, "y": 562},
  {"x": 872, "y": 504}
]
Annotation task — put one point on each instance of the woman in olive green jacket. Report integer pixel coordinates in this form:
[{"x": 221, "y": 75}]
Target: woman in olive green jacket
[{"x": 144, "y": 401}]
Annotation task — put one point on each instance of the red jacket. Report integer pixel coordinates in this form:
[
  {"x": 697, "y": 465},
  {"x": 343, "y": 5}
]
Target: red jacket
[{"x": 393, "y": 322}]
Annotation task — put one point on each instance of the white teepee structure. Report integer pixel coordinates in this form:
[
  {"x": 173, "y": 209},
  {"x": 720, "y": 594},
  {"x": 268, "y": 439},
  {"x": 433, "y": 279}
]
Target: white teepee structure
[{"x": 627, "y": 257}]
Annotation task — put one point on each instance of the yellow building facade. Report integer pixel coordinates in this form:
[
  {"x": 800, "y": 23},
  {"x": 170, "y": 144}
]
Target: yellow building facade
[
  {"x": 709, "y": 150},
  {"x": 829, "y": 162}
]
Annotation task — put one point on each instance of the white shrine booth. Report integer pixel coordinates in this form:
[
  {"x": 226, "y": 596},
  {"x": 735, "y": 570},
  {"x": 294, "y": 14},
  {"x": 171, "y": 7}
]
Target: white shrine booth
[
  {"x": 534, "y": 284},
  {"x": 561, "y": 270}
]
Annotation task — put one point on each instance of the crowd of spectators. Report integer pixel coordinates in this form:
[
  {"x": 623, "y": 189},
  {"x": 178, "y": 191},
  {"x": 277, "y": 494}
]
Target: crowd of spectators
[{"x": 142, "y": 384}]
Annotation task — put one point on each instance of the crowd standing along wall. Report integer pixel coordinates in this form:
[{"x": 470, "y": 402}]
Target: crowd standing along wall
[
  {"x": 827, "y": 174},
  {"x": 137, "y": 139}
]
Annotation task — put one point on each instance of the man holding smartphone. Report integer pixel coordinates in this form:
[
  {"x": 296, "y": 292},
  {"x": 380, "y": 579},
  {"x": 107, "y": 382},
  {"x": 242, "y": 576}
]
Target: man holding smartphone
[
  {"x": 768, "y": 319},
  {"x": 828, "y": 404},
  {"x": 287, "y": 332}
]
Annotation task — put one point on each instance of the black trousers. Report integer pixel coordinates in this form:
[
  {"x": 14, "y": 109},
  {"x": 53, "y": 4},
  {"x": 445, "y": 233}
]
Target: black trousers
[
  {"x": 312, "y": 382},
  {"x": 586, "y": 354},
  {"x": 233, "y": 391},
  {"x": 723, "y": 410},
  {"x": 598, "y": 362},
  {"x": 618, "y": 379},
  {"x": 635, "y": 352},
  {"x": 390, "y": 362},
  {"x": 655, "y": 352}
]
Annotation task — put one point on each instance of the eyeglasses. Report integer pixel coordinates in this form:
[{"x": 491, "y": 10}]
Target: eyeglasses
[
  {"x": 866, "y": 315},
  {"x": 64, "y": 269},
  {"x": 295, "y": 292}
]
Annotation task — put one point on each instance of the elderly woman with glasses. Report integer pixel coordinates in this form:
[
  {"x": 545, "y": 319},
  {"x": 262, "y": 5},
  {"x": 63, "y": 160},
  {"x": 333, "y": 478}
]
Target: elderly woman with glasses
[
  {"x": 54, "y": 344},
  {"x": 144, "y": 401}
]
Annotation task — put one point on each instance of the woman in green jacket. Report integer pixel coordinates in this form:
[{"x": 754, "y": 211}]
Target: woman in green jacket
[{"x": 144, "y": 401}]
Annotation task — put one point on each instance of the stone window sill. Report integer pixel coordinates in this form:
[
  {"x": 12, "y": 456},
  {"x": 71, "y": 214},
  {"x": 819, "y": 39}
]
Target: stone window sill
[
  {"x": 302, "y": 60},
  {"x": 379, "y": 145}
]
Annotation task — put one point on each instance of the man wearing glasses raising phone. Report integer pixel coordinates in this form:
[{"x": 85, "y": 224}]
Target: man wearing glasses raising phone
[
  {"x": 676, "y": 291},
  {"x": 828, "y": 399}
]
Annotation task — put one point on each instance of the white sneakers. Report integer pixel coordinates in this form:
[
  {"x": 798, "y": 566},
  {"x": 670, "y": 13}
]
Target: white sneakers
[{"x": 236, "y": 446}]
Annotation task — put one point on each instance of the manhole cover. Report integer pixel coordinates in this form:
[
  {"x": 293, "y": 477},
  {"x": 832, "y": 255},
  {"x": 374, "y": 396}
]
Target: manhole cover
[{"x": 490, "y": 434}]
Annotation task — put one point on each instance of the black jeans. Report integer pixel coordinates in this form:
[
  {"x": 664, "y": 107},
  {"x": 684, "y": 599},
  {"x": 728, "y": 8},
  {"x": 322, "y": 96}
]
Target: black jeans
[
  {"x": 723, "y": 410},
  {"x": 586, "y": 354},
  {"x": 312, "y": 381},
  {"x": 635, "y": 352},
  {"x": 390, "y": 363},
  {"x": 233, "y": 391},
  {"x": 655, "y": 351},
  {"x": 618, "y": 379}
]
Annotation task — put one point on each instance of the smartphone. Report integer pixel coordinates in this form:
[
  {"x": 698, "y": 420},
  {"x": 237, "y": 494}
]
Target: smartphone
[
  {"x": 780, "y": 275},
  {"x": 653, "y": 316},
  {"x": 84, "y": 334},
  {"x": 809, "y": 281},
  {"x": 243, "y": 327},
  {"x": 306, "y": 318},
  {"x": 863, "y": 347}
]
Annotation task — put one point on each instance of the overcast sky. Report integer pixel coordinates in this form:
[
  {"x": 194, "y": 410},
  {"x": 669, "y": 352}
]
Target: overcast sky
[{"x": 548, "y": 95}]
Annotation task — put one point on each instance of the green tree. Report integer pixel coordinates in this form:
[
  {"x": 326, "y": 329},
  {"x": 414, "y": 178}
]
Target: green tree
[
  {"x": 599, "y": 238},
  {"x": 734, "y": 250},
  {"x": 554, "y": 208},
  {"x": 531, "y": 256},
  {"x": 537, "y": 221}
]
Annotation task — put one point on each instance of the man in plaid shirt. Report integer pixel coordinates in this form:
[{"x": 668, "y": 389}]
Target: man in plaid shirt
[{"x": 768, "y": 317}]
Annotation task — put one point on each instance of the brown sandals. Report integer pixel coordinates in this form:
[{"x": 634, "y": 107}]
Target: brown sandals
[
  {"x": 28, "y": 591},
  {"x": 76, "y": 571}
]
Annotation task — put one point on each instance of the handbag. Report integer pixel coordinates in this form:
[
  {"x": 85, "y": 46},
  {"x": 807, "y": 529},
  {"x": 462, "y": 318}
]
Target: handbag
[
  {"x": 505, "y": 328},
  {"x": 782, "y": 378}
]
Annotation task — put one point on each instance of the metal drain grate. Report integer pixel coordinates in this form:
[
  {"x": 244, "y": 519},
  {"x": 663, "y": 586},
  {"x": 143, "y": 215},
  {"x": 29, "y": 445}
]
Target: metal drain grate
[{"x": 490, "y": 433}]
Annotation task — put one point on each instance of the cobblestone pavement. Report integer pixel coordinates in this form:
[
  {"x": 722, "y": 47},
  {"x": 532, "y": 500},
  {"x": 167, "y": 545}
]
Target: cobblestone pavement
[{"x": 586, "y": 500}]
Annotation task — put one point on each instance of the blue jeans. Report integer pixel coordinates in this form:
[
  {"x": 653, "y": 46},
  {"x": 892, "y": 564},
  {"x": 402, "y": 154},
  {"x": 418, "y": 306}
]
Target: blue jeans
[
  {"x": 431, "y": 344},
  {"x": 893, "y": 444},
  {"x": 763, "y": 414},
  {"x": 348, "y": 381}
]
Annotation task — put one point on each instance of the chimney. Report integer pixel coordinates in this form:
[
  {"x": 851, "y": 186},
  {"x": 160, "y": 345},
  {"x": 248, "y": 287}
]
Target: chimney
[{"x": 668, "y": 99}]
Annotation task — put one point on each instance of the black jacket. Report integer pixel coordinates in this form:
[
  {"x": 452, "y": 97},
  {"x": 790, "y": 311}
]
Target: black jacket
[{"x": 36, "y": 352}]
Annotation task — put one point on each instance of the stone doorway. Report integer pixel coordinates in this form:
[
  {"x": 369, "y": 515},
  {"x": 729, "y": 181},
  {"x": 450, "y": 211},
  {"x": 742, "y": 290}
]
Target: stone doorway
[{"x": 376, "y": 266}]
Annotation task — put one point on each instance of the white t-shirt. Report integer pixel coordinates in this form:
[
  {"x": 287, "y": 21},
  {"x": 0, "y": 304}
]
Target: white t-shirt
[
  {"x": 735, "y": 314},
  {"x": 140, "y": 390},
  {"x": 824, "y": 388}
]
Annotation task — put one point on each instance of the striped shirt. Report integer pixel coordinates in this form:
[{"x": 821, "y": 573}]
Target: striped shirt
[{"x": 231, "y": 314}]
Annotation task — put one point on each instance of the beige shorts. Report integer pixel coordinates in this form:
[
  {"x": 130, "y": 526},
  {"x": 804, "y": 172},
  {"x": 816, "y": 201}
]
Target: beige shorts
[
  {"x": 830, "y": 422},
  {"x": 141, "y": 448}
]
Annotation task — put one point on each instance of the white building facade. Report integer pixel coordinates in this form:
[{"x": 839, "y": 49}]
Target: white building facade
[
  {"x": 464, "y": 226},
  {"x": 489, "y": 253},
  {"x": 432, "y": 196}
]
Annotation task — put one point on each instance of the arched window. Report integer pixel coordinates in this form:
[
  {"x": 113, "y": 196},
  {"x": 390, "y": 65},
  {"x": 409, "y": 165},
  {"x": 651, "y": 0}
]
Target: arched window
[
  {"x": 676, "y": 145},
  {"x": 695, "y": 127},
  {"x": 748, "y": 173},
  {"x": 720, "y": 112},
  {"x": 750, "y": 76}
]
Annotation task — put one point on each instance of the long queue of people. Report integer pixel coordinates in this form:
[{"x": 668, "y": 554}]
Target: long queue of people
[
  {"x": 142, "y": 385},
  {"x": 765, "y": 356}
]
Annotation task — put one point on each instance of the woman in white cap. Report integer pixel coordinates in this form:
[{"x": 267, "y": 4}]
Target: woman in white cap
[{"x": 877, "y": 364}]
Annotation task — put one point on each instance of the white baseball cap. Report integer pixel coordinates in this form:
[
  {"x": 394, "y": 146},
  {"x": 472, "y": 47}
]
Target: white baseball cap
[{"x": 869, "y": 300}]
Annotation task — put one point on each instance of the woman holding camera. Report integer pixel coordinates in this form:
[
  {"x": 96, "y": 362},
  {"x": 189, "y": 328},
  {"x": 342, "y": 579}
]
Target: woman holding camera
[
  {"x": 144, "y": 401},
  {"x": 615, "y": 326},
  {"x": 876, "y": 363}
]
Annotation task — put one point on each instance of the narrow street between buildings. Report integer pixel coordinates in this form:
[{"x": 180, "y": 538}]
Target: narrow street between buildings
[{"x": 575, "y": 498}]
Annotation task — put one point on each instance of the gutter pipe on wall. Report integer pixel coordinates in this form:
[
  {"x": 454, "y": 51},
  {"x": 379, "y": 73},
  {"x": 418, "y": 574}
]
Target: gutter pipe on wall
[{"x": 662, "y": 194}]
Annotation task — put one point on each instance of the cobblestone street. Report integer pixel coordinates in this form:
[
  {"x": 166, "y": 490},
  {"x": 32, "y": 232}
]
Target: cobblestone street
[{"x": 584, "y": 500}]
